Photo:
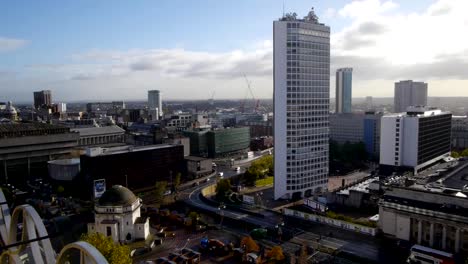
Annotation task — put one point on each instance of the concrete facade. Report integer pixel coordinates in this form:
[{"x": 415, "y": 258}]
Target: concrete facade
[
  {"x": 96, "y": 136},
  {"x": 198, "y": 167},
  {"x": 121, "y": 221},
  {"x": 459, "y": 132},
  {"x": 409, "y": 93},
  {"x": 347, "y": 127},
  {"x": 415, "y": 139},
  {"x": 25, "y": 148},
  {"x": 426, "y": 218},
  {"x": 301, "y": 74}
]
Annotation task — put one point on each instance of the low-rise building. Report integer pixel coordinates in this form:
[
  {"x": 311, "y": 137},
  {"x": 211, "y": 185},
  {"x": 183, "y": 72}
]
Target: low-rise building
[
  {"x": 219, "y": 142},
  {"x": 136, "y": 167},
  {"x": 98, "y": 136},
  {"x": 198, "y": 167},
  {"x": 347, "y": 127},
  {"x": 117, "y": 215},
  {"x": 459, "y": 132},
  {"x": 25, "y": 149},
  {"x": 434, "y": 219},
  {"x": 414, "y": 140},
  {"x": 228, "y": 141},
  {"x": 175, "y": 139},
  {"x": 260, "y": 128}
]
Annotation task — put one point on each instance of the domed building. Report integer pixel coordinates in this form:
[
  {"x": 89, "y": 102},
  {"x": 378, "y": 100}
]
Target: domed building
[
  {"x": 9, "y": 112},
  {"x": 117, "y": 214}
]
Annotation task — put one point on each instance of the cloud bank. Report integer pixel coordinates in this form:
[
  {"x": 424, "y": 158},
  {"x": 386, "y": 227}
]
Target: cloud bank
[{"x": 382, "y": 42}]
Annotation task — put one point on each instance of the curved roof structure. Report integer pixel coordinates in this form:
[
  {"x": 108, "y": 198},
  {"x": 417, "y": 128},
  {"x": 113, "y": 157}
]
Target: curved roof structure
[{"x": 117, "y": 196}]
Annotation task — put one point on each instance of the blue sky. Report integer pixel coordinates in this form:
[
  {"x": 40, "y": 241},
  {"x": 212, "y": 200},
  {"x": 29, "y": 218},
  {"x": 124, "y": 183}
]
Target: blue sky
[{"x": 70, "y": 46}]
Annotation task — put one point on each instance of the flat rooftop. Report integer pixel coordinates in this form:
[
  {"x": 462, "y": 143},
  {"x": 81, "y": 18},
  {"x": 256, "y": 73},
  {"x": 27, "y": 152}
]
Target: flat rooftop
[
  {"x": 126, "y": 149},
  {"x": 359, "y": 187},
  {"x": 10, "y": 130},
  {"x": 97, "y": 131}
]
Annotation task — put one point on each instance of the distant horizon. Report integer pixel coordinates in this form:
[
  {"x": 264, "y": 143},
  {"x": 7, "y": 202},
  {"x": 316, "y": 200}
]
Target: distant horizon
[{"x": 201, "y": 100}]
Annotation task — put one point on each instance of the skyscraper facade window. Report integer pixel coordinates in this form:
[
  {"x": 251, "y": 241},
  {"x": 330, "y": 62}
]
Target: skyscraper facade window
[
  {"x": 344, "y": 84},
  {"x": 301, "y": 62}
]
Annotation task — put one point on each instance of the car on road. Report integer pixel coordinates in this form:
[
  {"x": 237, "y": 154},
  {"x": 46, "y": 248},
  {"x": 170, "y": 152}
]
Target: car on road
[
  {"x": 238, "y": 169},
  {"x": 221, "y": 174}
]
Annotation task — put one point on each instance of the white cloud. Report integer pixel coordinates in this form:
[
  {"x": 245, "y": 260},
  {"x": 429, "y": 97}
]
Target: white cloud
[
  {"x": 381, "y": 42},
  {"x": 385, "y": 44},
  {"x": 366, "y": 9},
  {"x": 10, "y": 44},
  {"x": 403, "y": 38},
  {"x": 174, "y": 63}
]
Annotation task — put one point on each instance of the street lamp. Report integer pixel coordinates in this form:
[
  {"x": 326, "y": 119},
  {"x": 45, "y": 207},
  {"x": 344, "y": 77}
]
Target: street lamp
[
  {"x": 279, "y": 230},
  {"x": 221, "y": 213}
]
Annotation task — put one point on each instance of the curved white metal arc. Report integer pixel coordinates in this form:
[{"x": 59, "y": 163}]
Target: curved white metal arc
[
  {"x": 5, "y": 217},
  {"x": 88, "y": 253},
  {"x": 33, "y": 228}
]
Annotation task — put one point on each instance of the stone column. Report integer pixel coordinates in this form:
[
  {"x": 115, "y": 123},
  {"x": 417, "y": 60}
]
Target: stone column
[
  {"x": 444, "y": 237},
  {"x": 457, "y": 240},
  {"x": 431, "y": 233},
  {"x": 419, "y": 231}
]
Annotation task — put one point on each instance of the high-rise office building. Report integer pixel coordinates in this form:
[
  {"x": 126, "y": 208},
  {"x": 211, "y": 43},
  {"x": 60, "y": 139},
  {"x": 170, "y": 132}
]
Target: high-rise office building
[
  {"x": 155, "y": 104},
  {"x": 369, "y": 102},
  {"x": 344, "y": 86},
  {"x": 301, "y": 72},
  {"x": 42, "y": 98},
  {"x": 409, "y": 93},
  {"x": 415, "y": 139}
]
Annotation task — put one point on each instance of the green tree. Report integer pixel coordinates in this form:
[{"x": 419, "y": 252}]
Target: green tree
[
  {"x": 159, "y": 190},
  {"x": 464, "y": 153},
  {"x": 455, "y": 154},
  {"x": 113, "y": 252},
  {"x": 177, "y": 179},
  {"x": 259, "y": 169},
  {"x": 223, "y": 187}
]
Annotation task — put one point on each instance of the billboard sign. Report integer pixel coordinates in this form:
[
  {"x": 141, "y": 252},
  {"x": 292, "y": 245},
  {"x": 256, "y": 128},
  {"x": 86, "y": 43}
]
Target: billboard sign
[{"x": 99, "y": 188}]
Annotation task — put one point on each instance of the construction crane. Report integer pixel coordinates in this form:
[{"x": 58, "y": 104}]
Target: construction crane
[{"x": 249, "y": 90}]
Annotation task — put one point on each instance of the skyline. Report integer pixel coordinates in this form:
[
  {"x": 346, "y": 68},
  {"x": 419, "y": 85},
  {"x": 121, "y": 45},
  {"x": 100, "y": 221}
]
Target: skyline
[{"x": 140, "y": 47}]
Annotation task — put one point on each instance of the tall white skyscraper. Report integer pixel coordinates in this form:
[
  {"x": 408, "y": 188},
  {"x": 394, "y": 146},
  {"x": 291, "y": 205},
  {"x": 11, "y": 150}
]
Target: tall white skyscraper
[
  {"x": 155, "y": 104},
  {"x": 344, "y": 86},
  {"x": 301, "y": 69},
  {"x": 409, "y": 93}
]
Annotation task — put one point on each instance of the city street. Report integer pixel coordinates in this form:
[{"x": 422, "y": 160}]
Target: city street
[{"x": 363, "y": 246}]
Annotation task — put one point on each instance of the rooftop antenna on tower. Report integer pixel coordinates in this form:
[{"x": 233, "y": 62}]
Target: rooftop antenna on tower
[{"x": 283, "y": 8}]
